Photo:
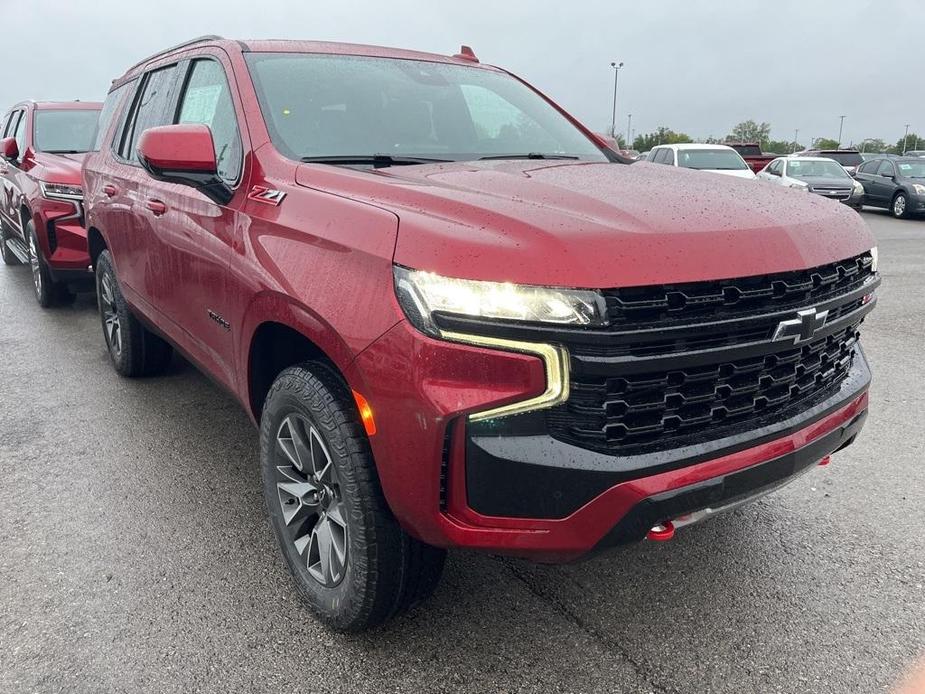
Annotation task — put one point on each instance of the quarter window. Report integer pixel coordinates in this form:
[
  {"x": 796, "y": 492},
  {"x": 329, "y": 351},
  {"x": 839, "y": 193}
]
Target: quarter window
[
  {"x": 150, "y": 109},
  {"x": 20, "y": 133},
  {"x": 207, "y": 100}
]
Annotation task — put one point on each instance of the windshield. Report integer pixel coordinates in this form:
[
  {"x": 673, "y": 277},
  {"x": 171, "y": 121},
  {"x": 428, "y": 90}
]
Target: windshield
[
  {"x": 816, "y": 169},
  {"x": 331, "y": 105},
  {"x": 64, "y": 131},
  {"x": 911, "y": 169},
  {"x": 845, "y": 158},
  {"x": 715, "y": 159}
]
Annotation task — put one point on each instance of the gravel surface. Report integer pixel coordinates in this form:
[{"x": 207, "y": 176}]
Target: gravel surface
[{"x": 135, "y": 555}]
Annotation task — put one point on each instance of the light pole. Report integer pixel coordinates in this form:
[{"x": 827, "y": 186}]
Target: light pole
[
  {"x": 905, "y": 137},
  {"x": 796, "y": 136},
  {"x": 841, "y": 125},
  {"x": 629, "y": 130},
  {"x": 616, "y": 75}
]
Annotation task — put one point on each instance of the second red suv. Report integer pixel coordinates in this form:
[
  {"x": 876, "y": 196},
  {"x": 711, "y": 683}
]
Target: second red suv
[
  {"x": 458, "y": 318},
  {"x": 41, "y": 206}
]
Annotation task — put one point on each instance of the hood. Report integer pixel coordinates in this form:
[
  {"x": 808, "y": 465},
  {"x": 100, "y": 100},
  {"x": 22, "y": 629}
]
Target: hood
[
  {"x": 58, "y": 168},
  {"x": 828, "y": 182},
  {"x": 596, "y": 225},
  {"x": 737, "y": 173}
]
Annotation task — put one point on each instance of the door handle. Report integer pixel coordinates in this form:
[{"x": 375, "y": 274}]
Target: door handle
[
  {"x": 110, "y": 190},
  {"x": 156, "y": 206}
]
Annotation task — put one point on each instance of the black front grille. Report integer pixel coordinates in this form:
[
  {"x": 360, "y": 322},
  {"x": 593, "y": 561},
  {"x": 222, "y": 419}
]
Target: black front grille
[
  {"x": 658, "y": 304},
  {"x": 691, "y": 363},
  {"x": 637, "y": 410}
]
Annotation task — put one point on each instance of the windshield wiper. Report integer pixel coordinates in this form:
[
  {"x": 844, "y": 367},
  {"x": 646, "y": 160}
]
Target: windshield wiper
[
  {"x": 531, "y": 155},
  {"x": 376, "y": 160},
  {"x": 63, "y": 151}
]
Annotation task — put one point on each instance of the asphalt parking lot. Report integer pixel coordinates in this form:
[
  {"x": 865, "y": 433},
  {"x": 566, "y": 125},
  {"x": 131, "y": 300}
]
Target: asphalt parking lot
[{"x": 135, "y": 554}]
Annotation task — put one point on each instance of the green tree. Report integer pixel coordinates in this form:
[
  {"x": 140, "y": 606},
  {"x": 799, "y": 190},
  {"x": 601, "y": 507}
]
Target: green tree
[
  {"x": 911, "y": 142},
  {"x": 661, "y": 136},
  {"x": 825, "y": 143},
  {"x": 750, "y": 131},
  {"x": 873, "y": 144},
  {"x": 782, "y": 147}
]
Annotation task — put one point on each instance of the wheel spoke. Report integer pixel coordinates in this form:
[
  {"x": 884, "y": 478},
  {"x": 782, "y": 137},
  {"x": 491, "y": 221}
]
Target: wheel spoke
[
  {"x": 319, "y": 552},
  {"x": 321, "y": 461},
  {"x": 292, "y": 441}
]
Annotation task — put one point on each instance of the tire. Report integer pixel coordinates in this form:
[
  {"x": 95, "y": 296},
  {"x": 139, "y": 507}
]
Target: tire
[
  {"x": 133, "y": 349},
  {"x": 899, "y": 208},
  {"x": 5, "y": 252},
  {"x": 47, "y": 292},
  {"x": 381, "y": 570}
]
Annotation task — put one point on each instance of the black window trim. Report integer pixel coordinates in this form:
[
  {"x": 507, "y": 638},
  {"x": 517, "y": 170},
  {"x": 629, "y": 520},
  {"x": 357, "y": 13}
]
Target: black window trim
[
  {"x": 123, "y": 129},
  {"x": 178, "y": 102}
]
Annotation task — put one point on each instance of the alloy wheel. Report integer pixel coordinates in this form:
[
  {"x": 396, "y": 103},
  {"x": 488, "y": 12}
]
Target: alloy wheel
[
  {"x": 899, "y": 205},
  {"x": 310, "y": 498},
  {"x": 111, "y": 321},
  {"x": 34, "y": 264}
]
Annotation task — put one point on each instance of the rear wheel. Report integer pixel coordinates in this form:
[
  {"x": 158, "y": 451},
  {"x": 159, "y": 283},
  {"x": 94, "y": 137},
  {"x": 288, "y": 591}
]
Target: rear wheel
[
  {"x": 900, "y": 206},
  {"x": 5, "y": 252},
  {"x": 133, "y": 349},
  {"x": 47, "y": 292},
  {"x": 350, "y": 559}
]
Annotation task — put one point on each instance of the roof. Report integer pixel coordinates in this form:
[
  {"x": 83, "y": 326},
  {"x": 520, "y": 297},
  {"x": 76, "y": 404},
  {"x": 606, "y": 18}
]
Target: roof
[
  {"x": 293, "y": 46},
  {"x": 697, "y": 145},
  {"x": 60, "y": 105}
]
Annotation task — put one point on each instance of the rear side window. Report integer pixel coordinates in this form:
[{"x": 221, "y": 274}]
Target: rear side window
[
  {"x": 207, "y": 100},
  {"x": 869, "y": 167},
  {"x": 110, "y": 106},
  {"x": 775, "y": 167},
  {"x": 659, "y": 156},
  {"x": 149, "y": 110},
  {"x": 4, "y": 123}
]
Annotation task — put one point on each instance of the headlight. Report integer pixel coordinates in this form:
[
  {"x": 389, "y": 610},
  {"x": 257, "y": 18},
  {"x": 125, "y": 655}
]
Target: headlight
[
  {"x": 800, "y": 186},
  {"x": 858, "y": 188},
  {"x": 423, "y": 294},
  {"x": 918, "y": 188},
  {"x": 875, "y": 257},
  {"x": 61, "y": 191}
]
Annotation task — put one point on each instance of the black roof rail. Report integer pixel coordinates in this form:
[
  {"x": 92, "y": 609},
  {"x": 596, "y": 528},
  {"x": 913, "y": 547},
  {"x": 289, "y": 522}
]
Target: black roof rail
[{"x": 184, "y": 44}]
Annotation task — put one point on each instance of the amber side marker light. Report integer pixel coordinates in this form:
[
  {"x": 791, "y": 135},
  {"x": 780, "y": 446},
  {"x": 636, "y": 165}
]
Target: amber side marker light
[{"x": 366, "y": 413}]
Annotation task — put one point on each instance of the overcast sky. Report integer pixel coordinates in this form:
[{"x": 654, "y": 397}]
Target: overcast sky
[{"x": 699, "y": 67}]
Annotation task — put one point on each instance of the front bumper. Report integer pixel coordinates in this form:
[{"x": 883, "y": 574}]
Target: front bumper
[
  {"x": 499, "y": 486},
  {"x": 59, "y": 227}
]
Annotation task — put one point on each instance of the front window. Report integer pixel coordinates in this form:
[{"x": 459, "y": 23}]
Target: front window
[
  {"x": 816, "y": 169},
  {"x": 318, "y": 106},
  {"x": 909, "y": 169},
  {"x": 711, "y": 159},
  {"x": 69, "y": 131}
]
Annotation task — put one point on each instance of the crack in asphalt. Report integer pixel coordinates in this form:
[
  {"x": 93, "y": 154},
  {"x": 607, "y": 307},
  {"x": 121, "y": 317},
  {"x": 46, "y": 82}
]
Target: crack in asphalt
[{"x": 607, "y": 643}]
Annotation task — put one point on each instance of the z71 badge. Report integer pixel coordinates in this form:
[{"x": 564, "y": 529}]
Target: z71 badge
[{"x": 270, "y": 196}]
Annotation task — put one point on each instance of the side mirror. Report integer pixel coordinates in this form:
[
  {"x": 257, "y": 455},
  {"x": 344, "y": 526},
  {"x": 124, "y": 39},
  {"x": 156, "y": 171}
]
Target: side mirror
[
  {"x": 183, "y": 154},
  {"x": 9, "y": 149}
]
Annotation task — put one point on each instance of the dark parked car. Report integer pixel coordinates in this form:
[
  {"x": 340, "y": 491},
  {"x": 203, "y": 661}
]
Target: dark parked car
[
  {"x": 896, "y": 184},
  {"x": 851, "y": 159}
]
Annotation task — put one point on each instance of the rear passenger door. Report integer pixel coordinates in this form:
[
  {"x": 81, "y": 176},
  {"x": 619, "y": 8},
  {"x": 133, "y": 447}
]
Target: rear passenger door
[
  {"x": 130, "y": 224},
  {"x": 11, "y": 197},
  {"x": 884, "y": 183}
]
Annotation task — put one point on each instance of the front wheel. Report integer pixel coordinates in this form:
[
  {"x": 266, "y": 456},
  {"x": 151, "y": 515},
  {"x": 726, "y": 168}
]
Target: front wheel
[
  {"x": 133, "y": 349},
  {"x": 350, "y": 559},
  {"x": 900, "y": 206},
  {"x": 47, "y": 292}
]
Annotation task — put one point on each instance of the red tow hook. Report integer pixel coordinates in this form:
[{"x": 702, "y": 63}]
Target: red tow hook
[
  {"x": 826, "y": 460},
  {"x": 661, "y": 532}
]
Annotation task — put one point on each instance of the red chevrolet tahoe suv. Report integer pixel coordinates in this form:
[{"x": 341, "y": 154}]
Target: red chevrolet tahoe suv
[
  {"x": 458, "y": 319},
  {"x": 41, "y": 208}
]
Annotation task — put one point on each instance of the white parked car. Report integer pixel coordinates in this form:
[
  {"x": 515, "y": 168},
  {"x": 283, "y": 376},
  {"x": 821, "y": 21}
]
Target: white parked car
[
  {"x": 715, "y": 158},
  {"x": 825, "y": 177}
]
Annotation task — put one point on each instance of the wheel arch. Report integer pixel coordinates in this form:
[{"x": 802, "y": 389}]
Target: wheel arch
[
  {"x": 285, "y": 334},
  {"x": 96, "y": 243}
]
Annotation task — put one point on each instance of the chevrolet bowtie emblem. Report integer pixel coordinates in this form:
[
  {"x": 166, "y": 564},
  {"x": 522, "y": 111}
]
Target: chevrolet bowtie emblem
[{"x": 801, "y": 328}]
